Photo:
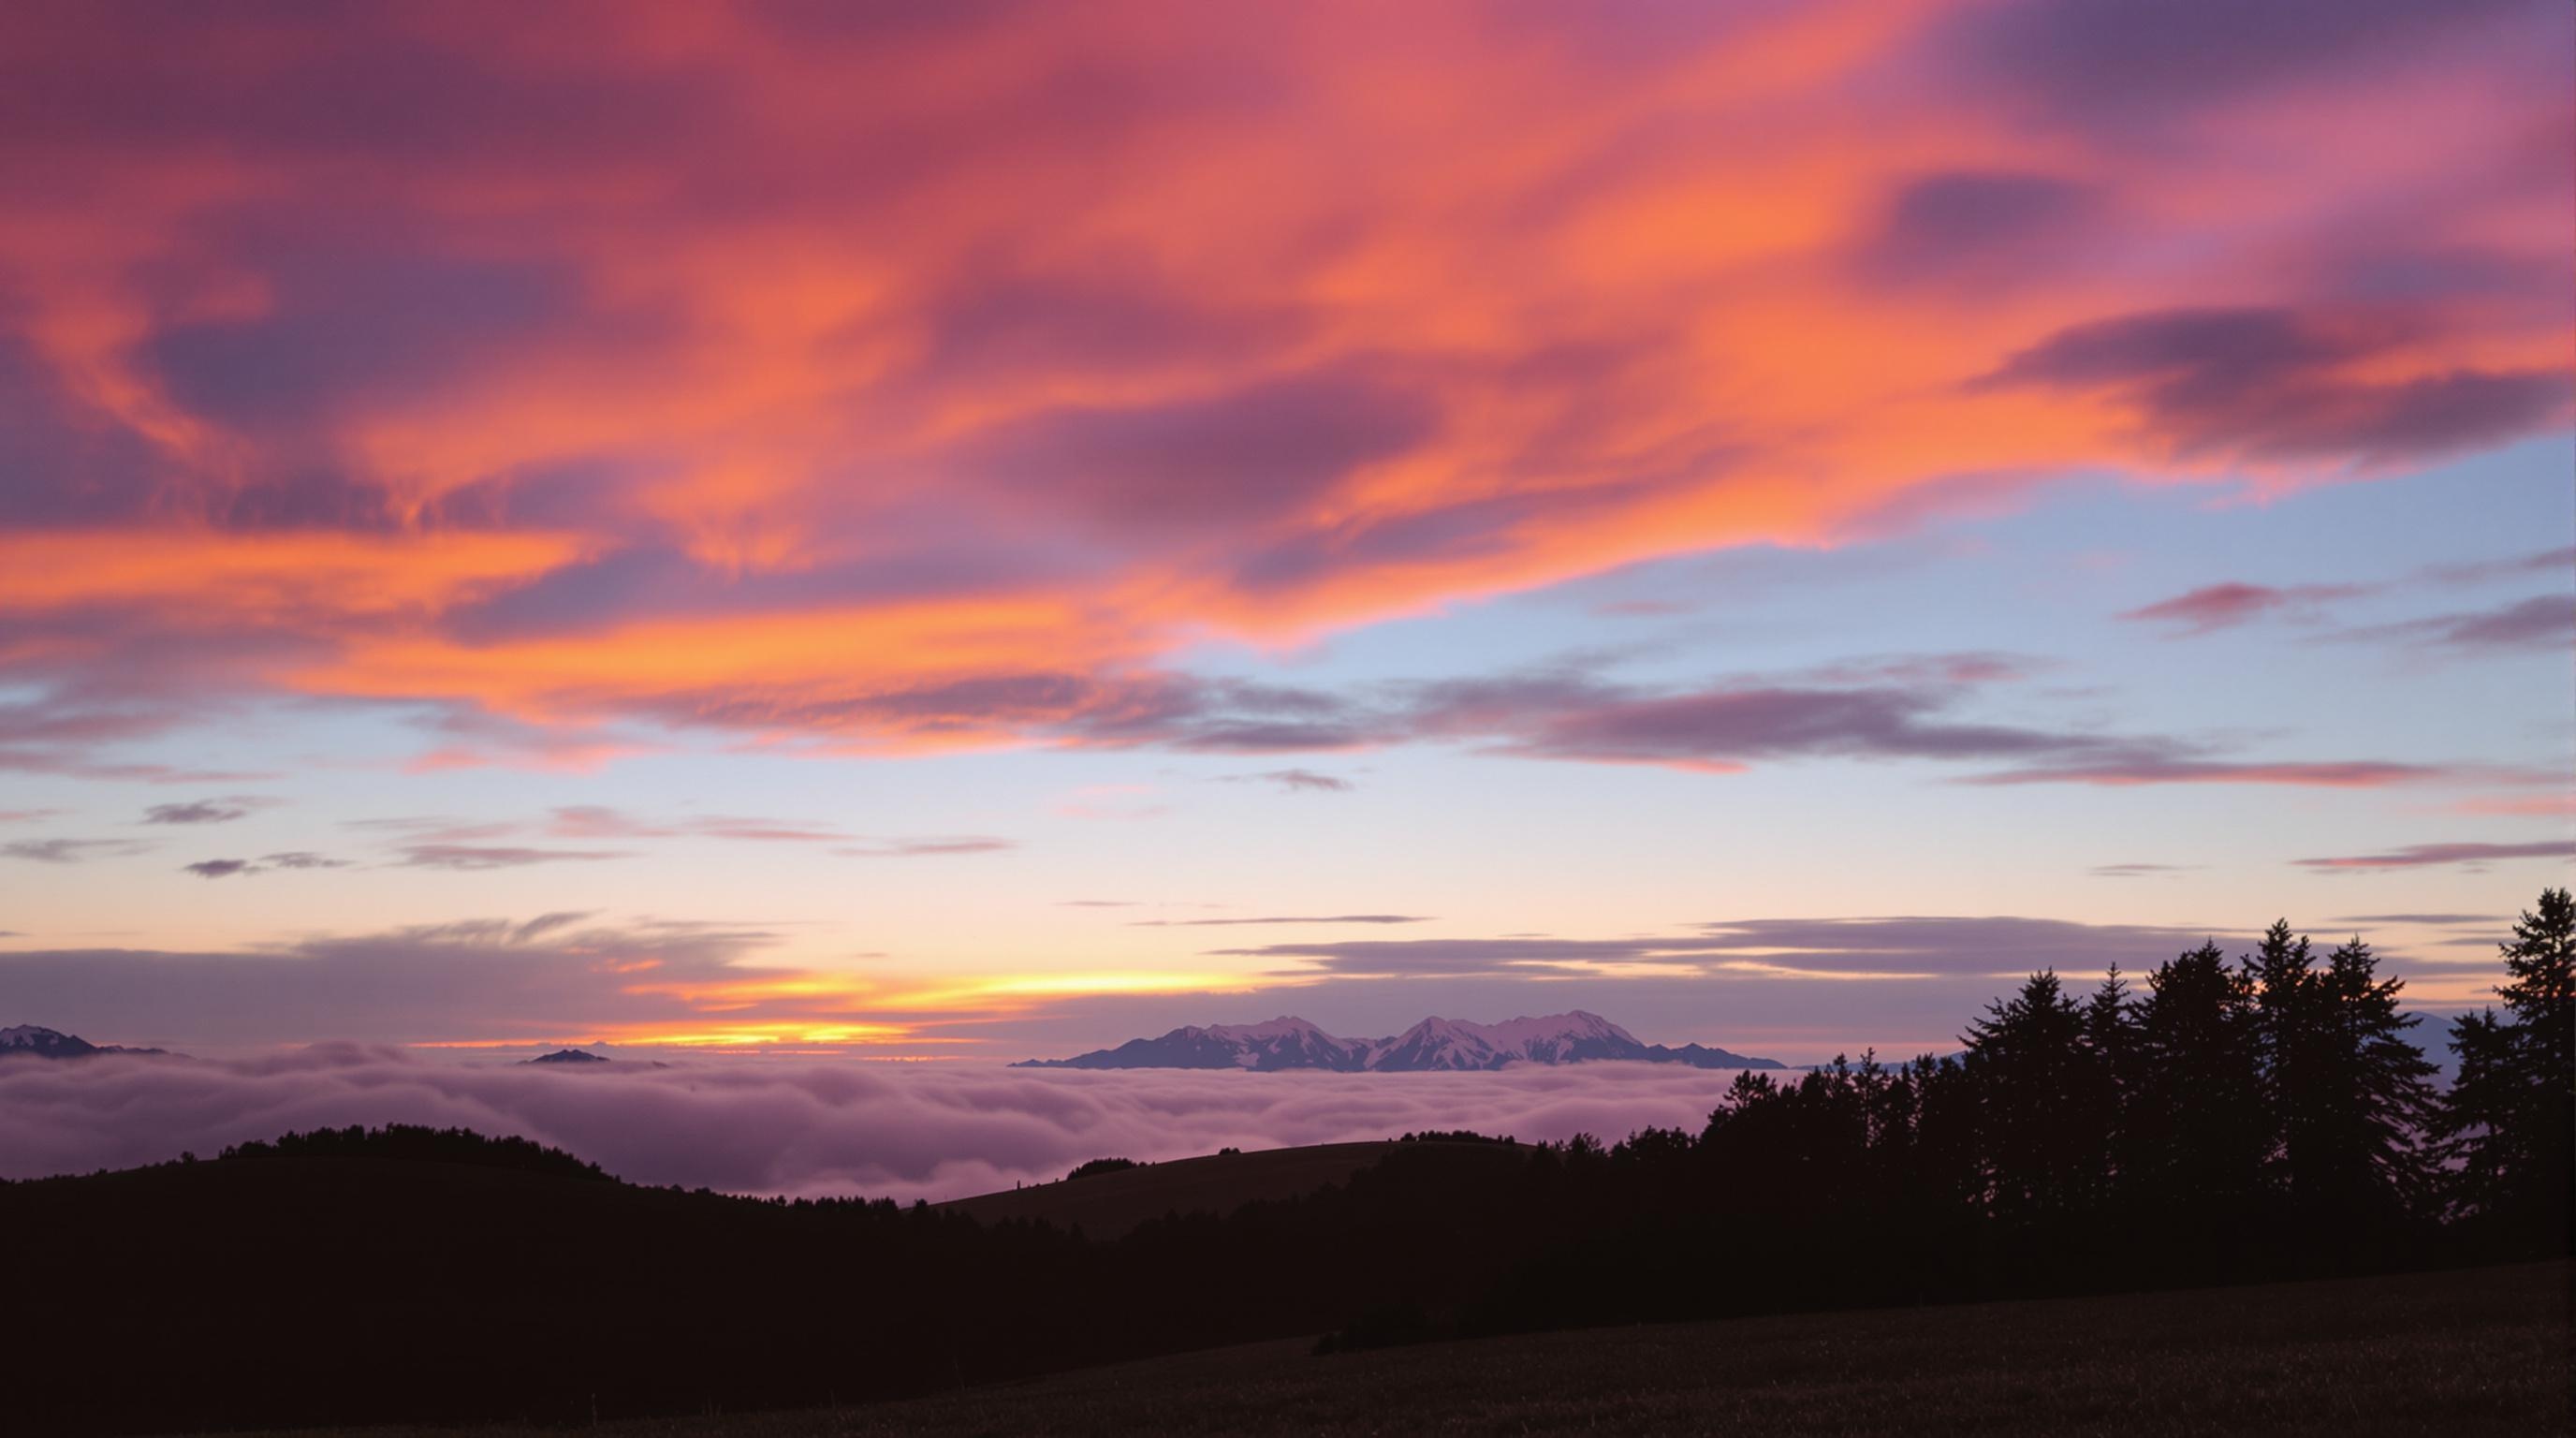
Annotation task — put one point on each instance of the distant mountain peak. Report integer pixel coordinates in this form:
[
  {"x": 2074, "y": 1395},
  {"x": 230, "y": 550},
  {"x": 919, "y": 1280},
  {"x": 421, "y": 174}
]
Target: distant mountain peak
[
  {"x": 1434, "y": 1045},
  {"x": 40, "y": 1042},
  {"x": 569, "y": 1056}
]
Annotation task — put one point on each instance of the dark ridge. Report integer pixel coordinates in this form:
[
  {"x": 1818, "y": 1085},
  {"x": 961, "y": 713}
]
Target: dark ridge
[{"x": 413, "y": 1143}]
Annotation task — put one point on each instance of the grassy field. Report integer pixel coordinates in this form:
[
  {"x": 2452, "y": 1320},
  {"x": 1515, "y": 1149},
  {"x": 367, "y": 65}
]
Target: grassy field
[
  {"x": 2474, "y": 1352},
  {"x": 1107, "y": 1205}
]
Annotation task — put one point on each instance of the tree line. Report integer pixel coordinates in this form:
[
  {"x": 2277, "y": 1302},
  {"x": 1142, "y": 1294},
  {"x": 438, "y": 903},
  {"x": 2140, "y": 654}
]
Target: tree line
[
  {"x": 2267, "y": 1115},
  {"x": 2223, "y": 1121}
]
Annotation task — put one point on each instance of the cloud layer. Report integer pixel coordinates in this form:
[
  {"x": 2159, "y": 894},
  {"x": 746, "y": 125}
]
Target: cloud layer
[{"x": 783, "y": 1126}]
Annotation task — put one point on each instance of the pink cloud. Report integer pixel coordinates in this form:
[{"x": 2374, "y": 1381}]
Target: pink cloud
[{"x": 2224, "y": 606}]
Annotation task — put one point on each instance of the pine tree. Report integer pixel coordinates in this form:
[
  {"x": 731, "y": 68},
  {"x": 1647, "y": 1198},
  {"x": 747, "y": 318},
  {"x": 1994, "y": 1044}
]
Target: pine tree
[
  {"x": 2110, "y": 1035},
  {"x": 2042, "y": 1124},
  {"x": 2509, "y": 1122},
  {"x": 2280, "y": 972},
  {"x": 2361, "y": 1165},
  {"x": 2198, "y": 1137}
]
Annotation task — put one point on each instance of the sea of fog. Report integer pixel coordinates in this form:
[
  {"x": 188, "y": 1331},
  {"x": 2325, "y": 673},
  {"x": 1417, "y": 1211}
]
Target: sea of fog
[{"x": 802, "y": 1126}]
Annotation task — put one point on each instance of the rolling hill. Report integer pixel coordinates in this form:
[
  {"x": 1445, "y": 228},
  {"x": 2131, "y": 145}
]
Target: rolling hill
[{"x": 1110, "y": 1205}]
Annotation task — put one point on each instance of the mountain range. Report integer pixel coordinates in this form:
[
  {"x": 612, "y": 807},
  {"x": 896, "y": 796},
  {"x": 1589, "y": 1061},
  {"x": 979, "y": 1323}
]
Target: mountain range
[
  {"x": 1433, "y": 1045},
  {"x": 45, "y": 1043}
]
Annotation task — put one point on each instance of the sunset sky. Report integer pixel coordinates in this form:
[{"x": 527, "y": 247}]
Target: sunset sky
[{"x": 977, "y": 530}]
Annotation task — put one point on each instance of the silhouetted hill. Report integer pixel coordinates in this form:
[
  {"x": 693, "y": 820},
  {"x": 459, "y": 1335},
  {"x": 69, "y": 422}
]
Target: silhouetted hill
[
  {"x": 569, "y": 1056},
  {"x": 1435, "y": 1044},
  {"x": 1112, "y": 1204},
  {"x": 421, "y": 1275}
]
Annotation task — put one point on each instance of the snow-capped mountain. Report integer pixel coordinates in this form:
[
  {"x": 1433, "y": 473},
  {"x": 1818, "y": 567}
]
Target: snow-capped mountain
[
  {"x": 1281, "y": 1043},
  {"x": 36, "y": 1041},
  {"x": 1433, "y": 1045}
]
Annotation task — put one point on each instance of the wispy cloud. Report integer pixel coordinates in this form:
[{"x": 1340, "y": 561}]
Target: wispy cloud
[
  {"x": 205, "y": 811},
  {"x": 592, "y": 821},
  {"x": 1295, "y": 781},
  {"x": 926, "y": 846},
  {"x": 235, "y": 868},
  {"x": 2213, "y": 607},
  {"x": 2419, "y": 856},
  {"x": 477, "y": 857},
  {"x": 1293, "y": 919},
  {"x": 2543, "y": 623},
  {"x": 1838, "y": 949},
  {"x": 72, "y": 851}
]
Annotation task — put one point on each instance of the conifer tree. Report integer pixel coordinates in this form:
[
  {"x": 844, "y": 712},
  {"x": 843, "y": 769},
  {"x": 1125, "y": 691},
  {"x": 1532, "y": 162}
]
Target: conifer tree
[
  {"x": 2280, "y": 972},
  {"x": 2198, "y": 1132},
  {"x": 2038, "y": 1094},
  {"x": 2361, "y": 1162},
  {"x": 2110, "y": 1035},
  {"x": 2509, "y": 1121}
]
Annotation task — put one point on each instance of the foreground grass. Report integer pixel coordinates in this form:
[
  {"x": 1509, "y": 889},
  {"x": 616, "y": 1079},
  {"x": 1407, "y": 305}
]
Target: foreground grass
[{"x": 2471, "y": 1352}]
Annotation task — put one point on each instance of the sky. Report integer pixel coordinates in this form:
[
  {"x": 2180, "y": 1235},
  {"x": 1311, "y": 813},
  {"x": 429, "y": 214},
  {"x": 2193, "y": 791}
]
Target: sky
[{"x": 957, "y": 532}]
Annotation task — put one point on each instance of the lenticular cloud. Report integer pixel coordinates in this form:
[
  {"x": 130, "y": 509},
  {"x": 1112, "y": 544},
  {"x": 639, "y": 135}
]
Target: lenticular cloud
[{"x": 802, "y": 1127}]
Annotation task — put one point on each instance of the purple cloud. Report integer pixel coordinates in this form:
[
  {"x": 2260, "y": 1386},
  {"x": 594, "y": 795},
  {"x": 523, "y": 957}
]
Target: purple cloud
[
  {"x": 477, "y": 857},
  {"x": 1922, "y": 947},
  {"x": 2418, "y": 856},
  {"x": 1724, "y": 727},
  {"x": 2107, "y": 64},
  {"x": 294, "y": 859},
  {"x": 221, "y": 868},
  {"x": 2544, "y": 622},
  {"x": 1976, "y": 227},
  {"x": 202, "y": 811},
  {"x": 2214, "y": 607},
  {"x": 302, "y": 859},
  {"x": 2270, "y": 384},
  {"x": 1239, "y": 459}
]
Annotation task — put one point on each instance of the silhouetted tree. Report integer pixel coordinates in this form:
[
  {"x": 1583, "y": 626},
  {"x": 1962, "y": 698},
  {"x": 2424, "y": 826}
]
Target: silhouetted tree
[
  {"x": 2043, "y": 1123},
  {"x": 2197, "y": 1122},
  {"x": 2284, "y": 1029},
  {"x": 2509, "y": 1121},
  {"x": 2110, "y": 1034},
  {"x": 2364, "y": 1099}
]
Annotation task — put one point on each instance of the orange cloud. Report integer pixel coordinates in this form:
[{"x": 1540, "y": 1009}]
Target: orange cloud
[{"x": 930, "y": 384}]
